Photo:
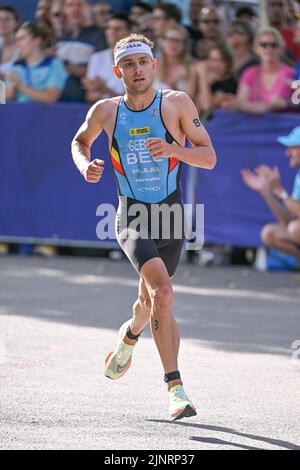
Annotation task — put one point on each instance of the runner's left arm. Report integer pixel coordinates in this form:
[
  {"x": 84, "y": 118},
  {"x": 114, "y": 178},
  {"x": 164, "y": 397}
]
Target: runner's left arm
[{"x": 202, "y": 154}]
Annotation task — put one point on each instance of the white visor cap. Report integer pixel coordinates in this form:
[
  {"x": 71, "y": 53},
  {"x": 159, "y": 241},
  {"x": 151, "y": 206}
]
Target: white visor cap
[{"x": 132, "y": 48}]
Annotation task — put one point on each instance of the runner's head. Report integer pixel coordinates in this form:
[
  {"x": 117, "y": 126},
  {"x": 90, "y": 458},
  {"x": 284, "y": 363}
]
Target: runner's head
[{"x": 134, "y": 63}]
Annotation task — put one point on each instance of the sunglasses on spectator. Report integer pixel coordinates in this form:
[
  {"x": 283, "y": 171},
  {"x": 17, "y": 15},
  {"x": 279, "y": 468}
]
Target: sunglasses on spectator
[
  {"x": 269, "y": 45},
  {"x": 210, "y": 21}
]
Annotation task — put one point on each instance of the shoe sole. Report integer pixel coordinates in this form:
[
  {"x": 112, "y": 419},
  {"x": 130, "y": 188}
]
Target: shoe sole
[
  {"x": 186, "y": 412},
  {"x": 122, "y": 373}
]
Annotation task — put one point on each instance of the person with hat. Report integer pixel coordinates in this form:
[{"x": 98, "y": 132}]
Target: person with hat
[{"x": 285, "y": 234}]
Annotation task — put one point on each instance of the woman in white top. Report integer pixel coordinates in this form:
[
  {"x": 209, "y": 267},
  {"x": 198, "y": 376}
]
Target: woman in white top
[
  {"x": 176, "y": 69},
  {"x": 9, "y": 22}
]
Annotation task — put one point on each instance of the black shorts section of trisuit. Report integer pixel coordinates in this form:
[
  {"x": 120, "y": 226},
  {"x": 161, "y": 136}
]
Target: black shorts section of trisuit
[{"x": 140, "y": 249}]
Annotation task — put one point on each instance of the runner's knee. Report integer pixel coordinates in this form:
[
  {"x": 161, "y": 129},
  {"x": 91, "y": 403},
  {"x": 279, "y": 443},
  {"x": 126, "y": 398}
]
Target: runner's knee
[{"x": 162, "y": 297}]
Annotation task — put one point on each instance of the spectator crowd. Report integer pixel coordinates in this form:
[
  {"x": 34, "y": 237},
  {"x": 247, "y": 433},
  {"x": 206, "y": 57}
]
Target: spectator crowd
[{"x": 221, "y": 56}]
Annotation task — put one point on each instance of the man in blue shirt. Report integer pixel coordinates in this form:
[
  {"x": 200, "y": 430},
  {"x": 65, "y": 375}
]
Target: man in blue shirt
[{"x": 284, "y": 235}]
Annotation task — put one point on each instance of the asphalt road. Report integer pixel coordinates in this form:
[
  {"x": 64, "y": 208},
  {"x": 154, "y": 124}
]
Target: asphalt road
[{"x": 59, "y": 319}]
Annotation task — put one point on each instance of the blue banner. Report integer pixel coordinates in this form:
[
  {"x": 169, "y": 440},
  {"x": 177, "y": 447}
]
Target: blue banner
[
  {"x": 43, "y": 196},
  {"x": 234, "y": 214}
]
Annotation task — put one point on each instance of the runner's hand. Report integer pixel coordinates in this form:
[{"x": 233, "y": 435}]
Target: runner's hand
[
  {"x": 159, "y": 148},
  {"x": 94, "y": 170}
]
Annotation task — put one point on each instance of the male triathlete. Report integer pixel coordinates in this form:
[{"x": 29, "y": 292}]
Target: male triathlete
[{"x": 147, "y": 131}]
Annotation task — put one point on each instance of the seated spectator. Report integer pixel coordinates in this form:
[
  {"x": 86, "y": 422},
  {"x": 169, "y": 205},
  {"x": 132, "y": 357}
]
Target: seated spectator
[
  {"x": 176, "y": 68},
  {"x": 77, "y": 46},
  {"x": 193, "y": 13},
  {"x": 240, "y": 39},
  {"x": 284, "y": 235},
  {"x": 35, "y": 77},
  {"x": 209, "y": 25},
  {"x": 293, "y": 11},
  {"x": 297, "y": 41},
  {"x": 145, "y": 26},
  {"x": 277, "y": 11},
  {"x": 165, "y": 15},
  {"x": 138, "y": 10},
  {"x": 9, "y": 53},
  {"x": 42, "y": 12},
  {"x": 102, "y": 13},
  {"x": 246, "y": 13},
  {"x": 101, "y": 82},
  {"x": 265, "y": 87},
  {"x": 57, "y": 19},
  {"x": 216, "y": 83}
]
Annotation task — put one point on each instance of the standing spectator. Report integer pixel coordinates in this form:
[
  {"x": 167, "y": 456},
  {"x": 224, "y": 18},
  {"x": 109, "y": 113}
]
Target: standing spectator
[
  {"x": 58, "y": 19},
  {"x": 278, "y": 14},
  {"x": 176, "y": 69},
  {"x": 35, "y": 77},
  {"x": 216, "y": 83},
  {"x": 285, "y": 234},
  {"x": 240, "y": 38},
  {"x": 265, "y": 87},
  {"x": 101, "y": 82},
  {"x": 102, "y": 13},
  {"x": 138, "y": 10},
  {"x": 209, "y": 25},
  {"x": 9, "y": 21},
  {"x": 165, "y": 15},
  {"x": 77, "y": 46}
]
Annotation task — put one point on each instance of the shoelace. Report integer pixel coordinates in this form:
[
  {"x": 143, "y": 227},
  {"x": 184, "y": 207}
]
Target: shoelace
[
  {"x": 123, "y": 355},
  {"x": 178, "y": 394}
]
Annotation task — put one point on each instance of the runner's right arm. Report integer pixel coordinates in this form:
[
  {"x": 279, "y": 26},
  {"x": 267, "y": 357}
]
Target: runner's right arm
[{"x": 82, "y": 142}]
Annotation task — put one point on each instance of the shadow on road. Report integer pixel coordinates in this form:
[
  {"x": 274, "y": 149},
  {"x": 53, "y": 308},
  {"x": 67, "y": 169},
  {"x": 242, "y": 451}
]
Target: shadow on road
[
  {"x": 228, "y": 309},
  {"x": 221, "y": 429}
]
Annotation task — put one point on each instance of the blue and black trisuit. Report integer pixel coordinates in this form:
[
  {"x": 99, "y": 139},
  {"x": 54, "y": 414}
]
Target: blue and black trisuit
[{"x": 149, "y": 182}]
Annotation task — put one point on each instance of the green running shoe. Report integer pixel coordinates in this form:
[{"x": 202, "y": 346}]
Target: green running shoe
[
  {"x": 118, "y": 361},
  {"x": 180, "y": 405}
]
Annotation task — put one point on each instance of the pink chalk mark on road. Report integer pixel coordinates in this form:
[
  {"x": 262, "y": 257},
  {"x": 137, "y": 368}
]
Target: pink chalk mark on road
[{"x": 32, "y": 361}]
